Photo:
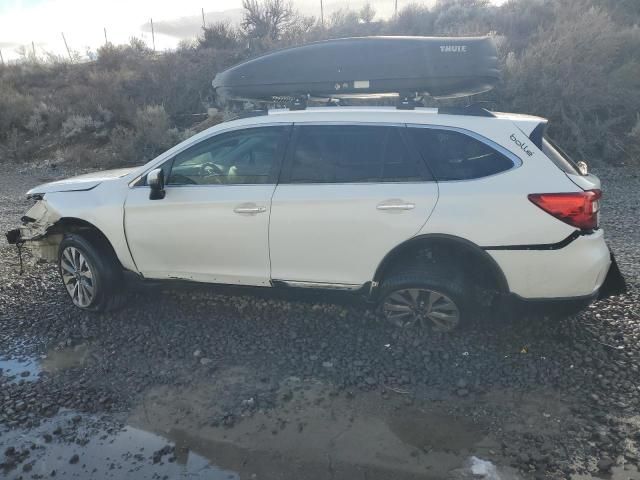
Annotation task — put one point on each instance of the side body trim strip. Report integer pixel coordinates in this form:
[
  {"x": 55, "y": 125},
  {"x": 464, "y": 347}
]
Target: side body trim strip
[{"x": 541, "y": 246}]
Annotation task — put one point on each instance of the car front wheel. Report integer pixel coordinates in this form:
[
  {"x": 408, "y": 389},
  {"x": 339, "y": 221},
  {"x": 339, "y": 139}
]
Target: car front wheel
[{"x": 90, "y": 273}]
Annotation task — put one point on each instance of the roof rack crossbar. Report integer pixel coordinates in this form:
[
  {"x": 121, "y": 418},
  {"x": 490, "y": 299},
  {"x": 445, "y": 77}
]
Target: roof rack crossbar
[
  {"x": 409, "y": 101},
  {"x": 298, "y": 103}
]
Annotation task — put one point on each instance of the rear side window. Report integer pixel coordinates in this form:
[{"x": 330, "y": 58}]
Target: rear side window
[
  {"x": 557, "y": 156},
  {"x": 350, "y": 154},
  {"x": 456, "y": 156}
]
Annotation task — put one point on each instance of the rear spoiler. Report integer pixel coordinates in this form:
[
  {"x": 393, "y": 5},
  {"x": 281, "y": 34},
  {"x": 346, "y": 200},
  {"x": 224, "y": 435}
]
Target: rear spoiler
[{"x": 537, "y": 134}]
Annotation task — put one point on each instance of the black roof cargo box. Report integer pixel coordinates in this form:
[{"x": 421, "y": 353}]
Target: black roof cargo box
[{"x": 439, "y": 66}]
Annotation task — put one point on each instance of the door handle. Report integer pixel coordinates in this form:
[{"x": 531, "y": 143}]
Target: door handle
[
  {"x": 395, "y": 205},
  {"x": 249, "y": 209}
]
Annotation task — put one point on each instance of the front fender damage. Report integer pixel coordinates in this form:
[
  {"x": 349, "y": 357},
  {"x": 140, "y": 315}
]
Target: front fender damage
[{"x": 37, "y": 233}]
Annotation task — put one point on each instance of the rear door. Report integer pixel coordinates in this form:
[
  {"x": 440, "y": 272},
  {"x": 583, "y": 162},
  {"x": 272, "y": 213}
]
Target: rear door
[{"x": 348, "y": 194}]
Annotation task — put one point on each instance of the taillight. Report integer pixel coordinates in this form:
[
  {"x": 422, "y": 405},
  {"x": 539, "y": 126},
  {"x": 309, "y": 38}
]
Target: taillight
[{"x": 578, "y": 209}]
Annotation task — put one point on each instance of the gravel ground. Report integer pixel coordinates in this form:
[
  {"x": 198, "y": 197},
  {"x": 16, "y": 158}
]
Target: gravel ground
[{"x": 539, "y": 397}]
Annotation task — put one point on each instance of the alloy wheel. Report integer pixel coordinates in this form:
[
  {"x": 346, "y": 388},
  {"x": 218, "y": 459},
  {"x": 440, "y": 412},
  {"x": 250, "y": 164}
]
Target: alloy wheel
[
  {"x": 421, "y": 307},
  {"x": 77, "y": 277}
]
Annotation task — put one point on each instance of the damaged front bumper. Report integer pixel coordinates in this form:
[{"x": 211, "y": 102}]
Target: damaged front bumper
[{"x": 36, "y": 233}]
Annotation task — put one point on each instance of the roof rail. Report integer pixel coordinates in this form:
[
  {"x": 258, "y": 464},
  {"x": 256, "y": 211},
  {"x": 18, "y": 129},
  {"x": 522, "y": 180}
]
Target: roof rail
[{"x": 473, "y": 110}]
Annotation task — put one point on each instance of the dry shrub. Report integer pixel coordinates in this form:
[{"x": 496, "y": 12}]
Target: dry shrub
[
  {"x": 151, "y": 134},
  {"x": 576, "y": 63},
  {"x": 15, "y": 109},
  {"x": 152, "y": 123},
  {"x": 77, "y": 125},
  {"x": 123, "y": 144}
]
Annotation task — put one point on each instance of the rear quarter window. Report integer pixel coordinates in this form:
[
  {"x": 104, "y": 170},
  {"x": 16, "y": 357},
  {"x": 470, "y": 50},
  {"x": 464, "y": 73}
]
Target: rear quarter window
[{"x": 453, "y": 155}]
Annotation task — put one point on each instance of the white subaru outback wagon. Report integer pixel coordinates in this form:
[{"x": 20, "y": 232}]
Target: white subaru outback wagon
[{"x": 426, "y": 212}]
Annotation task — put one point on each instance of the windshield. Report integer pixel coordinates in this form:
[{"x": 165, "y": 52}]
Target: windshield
[{"x": 558, "y": 156}]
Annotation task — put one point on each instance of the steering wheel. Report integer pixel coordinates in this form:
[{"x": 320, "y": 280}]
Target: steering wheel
[
  {"x": 212, "y": 174},
  {"x": 209, "y": 169}
]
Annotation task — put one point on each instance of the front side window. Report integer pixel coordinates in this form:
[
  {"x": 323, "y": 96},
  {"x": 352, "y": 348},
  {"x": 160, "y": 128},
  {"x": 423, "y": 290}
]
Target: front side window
[
  {"x": 454, "y": 155},
  {"x": 247, "y": 156},
  {"x": 350, "y": 154}
]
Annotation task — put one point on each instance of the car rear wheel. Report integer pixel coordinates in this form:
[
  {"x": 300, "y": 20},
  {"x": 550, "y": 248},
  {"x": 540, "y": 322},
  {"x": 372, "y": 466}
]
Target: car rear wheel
[
  {"x": 90, "y": 273},
  {"x": 423, "y": 300}
]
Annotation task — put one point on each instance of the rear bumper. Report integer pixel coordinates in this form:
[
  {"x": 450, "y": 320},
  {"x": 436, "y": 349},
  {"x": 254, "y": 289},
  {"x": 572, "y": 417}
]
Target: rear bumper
[
  {"x": 566, "y": 305},
  {"x": 614, "y": 284},
  {"x": 576, "y": 270}
]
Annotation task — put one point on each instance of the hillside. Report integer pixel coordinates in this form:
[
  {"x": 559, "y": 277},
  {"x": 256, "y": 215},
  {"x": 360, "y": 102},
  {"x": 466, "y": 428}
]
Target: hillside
[{"x": 576, "y": 63}]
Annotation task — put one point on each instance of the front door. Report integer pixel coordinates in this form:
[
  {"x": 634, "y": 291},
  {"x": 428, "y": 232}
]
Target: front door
[
  {"x": 348, "y": 195},
  {"x": 212, "y": 225}
]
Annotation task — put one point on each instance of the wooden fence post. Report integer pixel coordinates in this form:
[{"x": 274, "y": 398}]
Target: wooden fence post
[
  {"x": 153, "y": 36},
  {"x": 67, "y": 47}
]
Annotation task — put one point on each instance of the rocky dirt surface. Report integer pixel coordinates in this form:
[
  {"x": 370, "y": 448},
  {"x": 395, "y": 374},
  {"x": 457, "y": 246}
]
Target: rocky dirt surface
[{"x": 204, "y": 383}]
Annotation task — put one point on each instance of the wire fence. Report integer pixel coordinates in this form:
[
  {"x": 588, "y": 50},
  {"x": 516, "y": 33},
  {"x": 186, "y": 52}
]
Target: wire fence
[{"x": 30, "y": 53}]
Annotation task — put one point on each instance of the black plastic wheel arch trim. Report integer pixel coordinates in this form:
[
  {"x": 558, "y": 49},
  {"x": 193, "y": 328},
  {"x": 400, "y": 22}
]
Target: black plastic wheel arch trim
[
  {"x": 541, "y": 246},
  {"x": 499, "y": 276}
]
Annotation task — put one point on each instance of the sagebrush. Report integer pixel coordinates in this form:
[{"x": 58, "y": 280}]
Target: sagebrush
[{"x": 575, "y": 62}]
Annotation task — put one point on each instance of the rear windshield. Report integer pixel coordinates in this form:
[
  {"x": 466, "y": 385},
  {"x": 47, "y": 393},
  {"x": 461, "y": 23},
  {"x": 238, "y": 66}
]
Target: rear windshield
[{"x": 559, "y": 157}]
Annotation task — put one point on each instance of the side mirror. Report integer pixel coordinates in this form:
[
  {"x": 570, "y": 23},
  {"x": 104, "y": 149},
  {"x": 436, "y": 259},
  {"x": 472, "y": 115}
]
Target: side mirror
[{"x": 155, "y": 180}]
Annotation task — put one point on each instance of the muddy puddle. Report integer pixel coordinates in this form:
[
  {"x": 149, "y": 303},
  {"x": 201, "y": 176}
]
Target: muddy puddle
[
  {"x": 314, "y": 434},
  {"x": 239, "y": 426},
  {"x": 236, "y": 426},
  {"x": 435, "y": 431},
  {"x": 63, "y": 359},
  {"x": 30, "y": 368},
  {"x": 79, "y": 446},
  {"x": 14, "y": 370}
]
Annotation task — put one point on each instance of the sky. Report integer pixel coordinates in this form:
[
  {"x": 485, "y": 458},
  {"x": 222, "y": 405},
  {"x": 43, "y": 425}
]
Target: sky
[{"x": 41, "y": 23}]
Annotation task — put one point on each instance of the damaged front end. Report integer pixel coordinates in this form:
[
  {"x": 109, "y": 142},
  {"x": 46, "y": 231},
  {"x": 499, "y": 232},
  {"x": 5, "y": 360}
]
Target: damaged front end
[{"x": 37, "y": 233}]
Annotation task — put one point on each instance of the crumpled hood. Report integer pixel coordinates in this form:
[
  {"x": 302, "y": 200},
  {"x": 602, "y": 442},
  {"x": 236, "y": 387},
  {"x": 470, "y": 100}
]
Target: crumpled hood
[{"x": 81, "y": 182}]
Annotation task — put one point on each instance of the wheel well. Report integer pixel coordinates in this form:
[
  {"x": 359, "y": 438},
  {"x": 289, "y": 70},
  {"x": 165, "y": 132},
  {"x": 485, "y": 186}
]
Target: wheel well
[
  {"x": 425, "y": 251},
  {"x": 77, "y": 225}
]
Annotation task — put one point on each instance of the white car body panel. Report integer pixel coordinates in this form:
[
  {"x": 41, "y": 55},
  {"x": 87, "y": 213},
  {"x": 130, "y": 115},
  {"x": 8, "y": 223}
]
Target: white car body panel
[
  {"x": 329, "y": 233},
  {"x": 102, "y": 207},
  {"x": 333, "y": 233},
  {"x": 496, "y": 211},
  {"x": 577, "y": 270},
  {"x": 195, "y": 234},
  {"x": 80, "y": 182}
]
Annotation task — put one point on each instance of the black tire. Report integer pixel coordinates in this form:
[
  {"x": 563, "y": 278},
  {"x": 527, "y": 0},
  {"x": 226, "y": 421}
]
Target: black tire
[
  {"x": 106, "y": 283},
  {"x": 439, "y": 281}
]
